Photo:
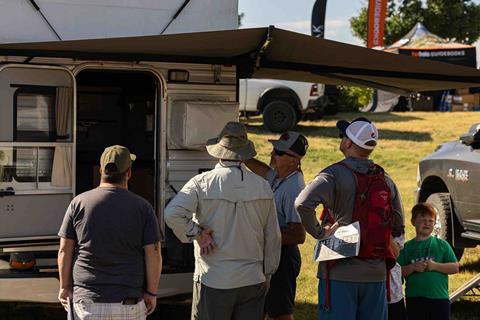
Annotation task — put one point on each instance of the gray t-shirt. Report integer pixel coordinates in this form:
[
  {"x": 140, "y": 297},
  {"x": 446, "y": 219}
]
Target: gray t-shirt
[
  {"x": 110, "y": 226},
  {"x": 335, "y": 188},
  {"x": 285, "y": 191}
]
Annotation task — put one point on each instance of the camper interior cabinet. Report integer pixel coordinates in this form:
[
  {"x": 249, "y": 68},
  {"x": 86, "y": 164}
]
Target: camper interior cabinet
[{"x": 116, "y": 107}]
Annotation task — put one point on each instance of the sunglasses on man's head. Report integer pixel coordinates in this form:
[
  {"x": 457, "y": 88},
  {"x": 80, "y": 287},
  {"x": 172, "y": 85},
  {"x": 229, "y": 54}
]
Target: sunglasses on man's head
[{"x": 281, "y": 153}]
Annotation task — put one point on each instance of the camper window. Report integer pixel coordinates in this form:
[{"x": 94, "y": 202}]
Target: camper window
[
  {"x": 25, "y": 164},
  {"x": 34, "y": 112},
  {"x": 33, "y": 162}
]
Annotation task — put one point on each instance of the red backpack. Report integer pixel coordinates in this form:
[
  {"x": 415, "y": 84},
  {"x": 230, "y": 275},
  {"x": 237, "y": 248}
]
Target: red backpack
[{"x": 373, "y": 211}]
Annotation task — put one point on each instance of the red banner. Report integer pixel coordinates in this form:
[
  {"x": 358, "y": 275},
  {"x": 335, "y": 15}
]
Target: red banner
[{"x": 377, "y": 11}]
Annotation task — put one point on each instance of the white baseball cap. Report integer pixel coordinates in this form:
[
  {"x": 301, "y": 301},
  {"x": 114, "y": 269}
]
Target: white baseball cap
[{"x": 360, "y": 131}]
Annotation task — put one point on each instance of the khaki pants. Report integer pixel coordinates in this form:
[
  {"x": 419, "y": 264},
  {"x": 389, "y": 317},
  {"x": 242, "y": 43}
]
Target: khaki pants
[
  {"x": 88, "y": 310},
  {"x": 228, "y": 304}
]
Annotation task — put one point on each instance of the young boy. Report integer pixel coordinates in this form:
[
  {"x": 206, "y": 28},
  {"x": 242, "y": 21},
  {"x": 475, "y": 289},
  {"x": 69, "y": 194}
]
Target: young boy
[{"x": 426, "y": 263}]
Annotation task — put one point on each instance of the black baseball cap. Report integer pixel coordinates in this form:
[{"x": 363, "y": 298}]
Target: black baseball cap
[{"x": 291, "y": 141}]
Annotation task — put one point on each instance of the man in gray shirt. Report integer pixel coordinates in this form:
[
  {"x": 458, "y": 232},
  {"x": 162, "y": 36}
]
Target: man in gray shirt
[
  {"x": 229, "y": 213},
  {"x": 110, "y": 247},
  {"x": 286, "y": 179},
  {"x": 356, "y": 288}
]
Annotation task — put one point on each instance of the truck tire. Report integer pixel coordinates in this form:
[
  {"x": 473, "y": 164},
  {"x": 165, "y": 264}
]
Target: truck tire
[
  {"x": 443, "y": 227},
  {"x": 279, "y": 116}
]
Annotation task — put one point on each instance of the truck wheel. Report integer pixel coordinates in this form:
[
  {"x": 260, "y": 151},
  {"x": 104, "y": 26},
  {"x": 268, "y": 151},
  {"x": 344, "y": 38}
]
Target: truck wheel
[
  {"x": 443, "y": 226},
  {"x": 279, "y": 116}
]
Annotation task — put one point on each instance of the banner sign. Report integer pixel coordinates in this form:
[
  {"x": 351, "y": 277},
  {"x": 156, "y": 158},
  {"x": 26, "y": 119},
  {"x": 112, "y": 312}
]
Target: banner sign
[
  {"x": 318, "y": 18},
  {"x": 377, "y": 12},
  {"x": 465, "y": 57}
]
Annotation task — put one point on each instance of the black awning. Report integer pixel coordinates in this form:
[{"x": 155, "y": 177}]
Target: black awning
[{"x": 268, "y": 53}]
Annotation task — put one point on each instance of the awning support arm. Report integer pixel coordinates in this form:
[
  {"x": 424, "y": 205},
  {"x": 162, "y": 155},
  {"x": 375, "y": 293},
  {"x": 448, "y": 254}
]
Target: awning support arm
[{"x": 260, "y": 52}]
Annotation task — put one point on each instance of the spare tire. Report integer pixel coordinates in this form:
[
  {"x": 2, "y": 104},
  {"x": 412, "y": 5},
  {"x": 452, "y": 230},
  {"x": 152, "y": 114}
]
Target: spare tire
[
  {"x": 279, "y": 116},
  {"x": 444, "y": 225}
]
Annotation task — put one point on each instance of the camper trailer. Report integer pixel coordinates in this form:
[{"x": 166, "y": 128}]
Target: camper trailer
[{"x": 57, "y": 116}]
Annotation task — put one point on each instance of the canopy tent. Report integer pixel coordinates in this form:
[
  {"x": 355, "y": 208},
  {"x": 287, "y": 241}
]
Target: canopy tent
[
  {"x": 421, "y": 43},
  {"x": 267, "y": 53}
]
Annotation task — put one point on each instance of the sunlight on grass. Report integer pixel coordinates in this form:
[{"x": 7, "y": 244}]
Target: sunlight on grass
[{"x": 405, "y": 138}]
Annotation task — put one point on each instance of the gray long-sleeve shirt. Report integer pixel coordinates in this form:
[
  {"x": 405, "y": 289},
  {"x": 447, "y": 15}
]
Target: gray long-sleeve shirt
[
  {"x": 238, "y": 206},
  {"x": 335, "y": 188}
]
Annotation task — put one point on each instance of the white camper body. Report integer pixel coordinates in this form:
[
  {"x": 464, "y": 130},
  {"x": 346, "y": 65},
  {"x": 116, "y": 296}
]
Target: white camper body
[{"x": 56, "y": 117}]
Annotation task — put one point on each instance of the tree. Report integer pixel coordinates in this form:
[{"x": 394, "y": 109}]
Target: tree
[{"x": 456, "y": 20}]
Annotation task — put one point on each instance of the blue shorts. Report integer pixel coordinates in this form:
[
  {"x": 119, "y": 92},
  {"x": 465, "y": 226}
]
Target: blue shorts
[{"x": 353, "y": 300}]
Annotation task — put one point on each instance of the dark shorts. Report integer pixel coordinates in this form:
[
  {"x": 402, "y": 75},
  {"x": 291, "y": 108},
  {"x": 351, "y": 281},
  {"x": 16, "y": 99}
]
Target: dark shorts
[
  {"x": 397, "y": 311},
  {"x": 280, "y": 298},
  {"x": 220, "y": 304},
  {"x": 428, "y": 309}
]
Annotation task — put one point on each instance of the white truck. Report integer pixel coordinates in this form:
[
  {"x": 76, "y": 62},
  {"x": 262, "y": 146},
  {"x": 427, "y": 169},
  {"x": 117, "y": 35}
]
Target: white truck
[{"x": 282, "y": 103}]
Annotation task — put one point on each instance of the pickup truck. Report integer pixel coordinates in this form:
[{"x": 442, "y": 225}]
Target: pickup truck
[
  {"x": 282, "y": 103},
  {"x": 449, "y": 178}
]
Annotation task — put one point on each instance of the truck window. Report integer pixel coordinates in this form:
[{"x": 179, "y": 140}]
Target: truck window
[{"x": 34, "y": 112}]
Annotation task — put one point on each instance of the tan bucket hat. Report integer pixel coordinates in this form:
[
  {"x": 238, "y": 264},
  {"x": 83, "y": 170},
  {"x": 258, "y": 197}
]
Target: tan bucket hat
[{"x": 232, "y": 143}]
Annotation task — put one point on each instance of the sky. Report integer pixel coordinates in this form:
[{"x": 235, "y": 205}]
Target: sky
[{"x": 295, "y": 15}]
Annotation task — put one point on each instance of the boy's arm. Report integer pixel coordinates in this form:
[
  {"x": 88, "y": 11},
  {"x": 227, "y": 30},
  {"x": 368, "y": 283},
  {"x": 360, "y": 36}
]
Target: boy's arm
[
  {"x": 407, "y": 270},
  {"x": 446, "y": 268}
]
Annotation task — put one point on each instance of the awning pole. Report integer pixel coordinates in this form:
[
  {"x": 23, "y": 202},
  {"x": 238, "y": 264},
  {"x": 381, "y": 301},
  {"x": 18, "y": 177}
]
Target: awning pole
[
  {"x": 44, "y": 18},
  {"x": 175, "y": 15}
]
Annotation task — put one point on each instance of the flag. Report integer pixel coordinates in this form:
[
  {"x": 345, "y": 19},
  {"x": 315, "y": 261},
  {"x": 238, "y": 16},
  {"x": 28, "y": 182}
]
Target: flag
[
  {"x": 318, "y": 18},
  {"x": 377, "y": 12}
]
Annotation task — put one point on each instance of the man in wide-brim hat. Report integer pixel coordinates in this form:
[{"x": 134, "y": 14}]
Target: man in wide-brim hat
[{"x": 229, "y": 213}]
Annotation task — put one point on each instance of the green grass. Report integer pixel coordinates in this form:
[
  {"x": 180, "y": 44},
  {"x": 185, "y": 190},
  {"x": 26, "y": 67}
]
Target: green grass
[{"x": 405, "y": 138}]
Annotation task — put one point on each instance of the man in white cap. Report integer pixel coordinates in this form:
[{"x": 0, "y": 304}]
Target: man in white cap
[
  {"x": 285, "y": 177},
  {"x": 354, "y": 287},
  {"x": 229, "y": 213},
  {"x": 109, "y": 246}
]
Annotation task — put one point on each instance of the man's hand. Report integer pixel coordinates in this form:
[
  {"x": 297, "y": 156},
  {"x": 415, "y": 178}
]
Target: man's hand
[
  {"x": 206, "y": 242},
  {"x": 329, "y": 229},
  {"x": 266, "y": 287},
  {"x": 63, "y": 296},
  {"x": 420, "y": 266},
  {"x": 150, "y": 303}
]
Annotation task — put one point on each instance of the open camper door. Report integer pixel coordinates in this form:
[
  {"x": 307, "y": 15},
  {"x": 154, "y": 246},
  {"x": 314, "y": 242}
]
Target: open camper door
[{"x": 37, "y": 108}]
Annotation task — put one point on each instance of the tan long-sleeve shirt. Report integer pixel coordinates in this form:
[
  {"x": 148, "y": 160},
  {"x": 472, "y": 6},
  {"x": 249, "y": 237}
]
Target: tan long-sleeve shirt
[{"x": 238, "y": 206}]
